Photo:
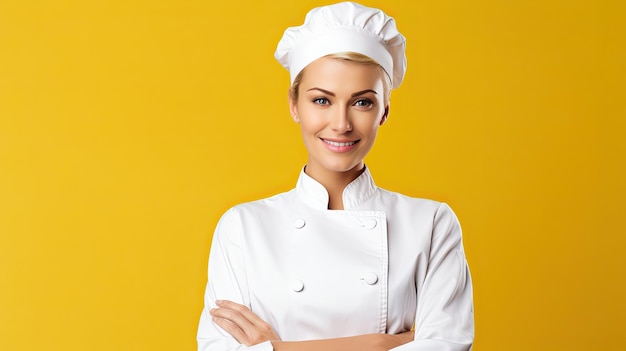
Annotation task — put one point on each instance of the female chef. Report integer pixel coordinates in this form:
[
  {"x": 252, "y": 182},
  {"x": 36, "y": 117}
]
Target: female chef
[{"x": 338, "y": 263}]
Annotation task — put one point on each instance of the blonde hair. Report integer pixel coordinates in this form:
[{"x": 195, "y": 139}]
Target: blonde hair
[{"x": 352, "y": 57}]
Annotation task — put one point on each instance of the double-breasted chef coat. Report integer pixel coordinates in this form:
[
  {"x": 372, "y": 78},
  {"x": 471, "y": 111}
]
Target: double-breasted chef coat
[{"x": 384, "y": 264}]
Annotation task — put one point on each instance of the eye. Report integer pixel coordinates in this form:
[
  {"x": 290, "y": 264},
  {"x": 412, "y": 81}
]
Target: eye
[
  {"x": 363, "y": 103},
  {"x": 321, "y": 101}
]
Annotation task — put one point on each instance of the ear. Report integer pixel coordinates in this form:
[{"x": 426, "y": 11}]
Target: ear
[
  {"x": 293, "y": 109},
  {"x": 385, "y": 115}
]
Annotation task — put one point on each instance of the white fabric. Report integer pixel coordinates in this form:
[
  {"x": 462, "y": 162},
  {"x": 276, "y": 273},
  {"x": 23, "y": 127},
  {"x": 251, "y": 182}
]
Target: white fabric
[
  {"x": 385, "y": 263},
  {"x": 344, "y": 27}
]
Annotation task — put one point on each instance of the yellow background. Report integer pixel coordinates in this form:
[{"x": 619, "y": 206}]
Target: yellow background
[{"x": 128, "y": 127}]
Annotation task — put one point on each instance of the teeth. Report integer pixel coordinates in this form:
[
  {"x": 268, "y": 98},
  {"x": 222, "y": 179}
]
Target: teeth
[{"x": 336, "y": 143}]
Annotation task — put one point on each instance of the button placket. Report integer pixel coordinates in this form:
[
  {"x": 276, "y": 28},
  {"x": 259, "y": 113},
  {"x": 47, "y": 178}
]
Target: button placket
[{"x": 297, "y": 285}]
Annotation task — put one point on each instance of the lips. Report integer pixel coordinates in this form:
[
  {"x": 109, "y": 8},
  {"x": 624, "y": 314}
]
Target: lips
[{"x": 340, "y": 146}]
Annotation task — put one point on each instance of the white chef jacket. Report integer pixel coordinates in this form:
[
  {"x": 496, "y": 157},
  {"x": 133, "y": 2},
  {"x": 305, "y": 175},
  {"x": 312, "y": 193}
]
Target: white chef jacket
[{"x": 384, "y": 264}]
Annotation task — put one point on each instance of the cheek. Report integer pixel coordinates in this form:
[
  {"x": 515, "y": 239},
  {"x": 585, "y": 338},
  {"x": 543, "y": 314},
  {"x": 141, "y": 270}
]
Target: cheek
[
  {"x": 311, "y": 122},
  {"x": 309, "y": 129},
  {"x": 370, "y": 126}
]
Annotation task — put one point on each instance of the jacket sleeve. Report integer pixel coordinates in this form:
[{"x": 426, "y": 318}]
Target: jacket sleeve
[
  {"x": 445, "y": 314},
  {"x": 227, "y": 280}
]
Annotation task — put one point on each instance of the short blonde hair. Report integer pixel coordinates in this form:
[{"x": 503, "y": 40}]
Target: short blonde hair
[{"x": 352, "y": 57}]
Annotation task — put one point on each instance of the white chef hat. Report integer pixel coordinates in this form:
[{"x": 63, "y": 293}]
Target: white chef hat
[{"x": 344, "y": 27}]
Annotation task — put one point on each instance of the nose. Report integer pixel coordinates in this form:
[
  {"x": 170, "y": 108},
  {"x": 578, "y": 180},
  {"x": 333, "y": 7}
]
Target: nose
[{"x": 340, "y": 122}]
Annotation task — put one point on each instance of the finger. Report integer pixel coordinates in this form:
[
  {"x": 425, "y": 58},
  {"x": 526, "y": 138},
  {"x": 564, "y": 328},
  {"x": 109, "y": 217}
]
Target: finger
[
  {"x": 233, "y": 316},
  {"x": 231, "y": 305},
  {"x": 233, "y": 322},
  {"x": 250, "y": 328},
  {"x": 230, "y": 327},
  {"x": 237, "y": 325},
  {"x": 245, "y": 312}
]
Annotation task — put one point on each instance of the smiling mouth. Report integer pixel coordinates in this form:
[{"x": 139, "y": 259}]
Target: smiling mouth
[{"x": 340, "y": 144}]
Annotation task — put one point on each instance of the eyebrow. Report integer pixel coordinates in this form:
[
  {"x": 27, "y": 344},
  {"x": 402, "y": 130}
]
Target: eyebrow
[{"x": 353, "y": 95}]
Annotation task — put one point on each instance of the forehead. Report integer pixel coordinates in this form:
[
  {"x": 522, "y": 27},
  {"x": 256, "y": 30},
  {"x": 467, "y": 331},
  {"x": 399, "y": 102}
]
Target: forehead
[{"x": 341, "y": 75}]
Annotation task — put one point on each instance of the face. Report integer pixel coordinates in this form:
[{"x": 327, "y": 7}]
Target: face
[{"x": 339, "y": 107}]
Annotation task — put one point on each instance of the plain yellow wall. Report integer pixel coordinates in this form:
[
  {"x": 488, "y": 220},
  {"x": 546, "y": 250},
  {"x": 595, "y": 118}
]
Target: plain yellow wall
[{"x": 128, "y": 127}]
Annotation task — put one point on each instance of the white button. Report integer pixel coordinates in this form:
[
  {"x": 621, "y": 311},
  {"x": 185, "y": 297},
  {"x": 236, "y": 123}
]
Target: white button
[
  {"x": 370, "y": 278},
  {"x": 297, "y": 285},
  {"x": 370, "y": 224},
  {"x": 299, "y": 223}
]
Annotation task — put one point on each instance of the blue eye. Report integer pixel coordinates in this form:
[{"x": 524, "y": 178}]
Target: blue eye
[{"x": 321, "y": 101}]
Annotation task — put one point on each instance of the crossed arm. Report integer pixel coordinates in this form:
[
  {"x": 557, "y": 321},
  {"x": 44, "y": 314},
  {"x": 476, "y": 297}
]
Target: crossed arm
[
  {"x": 249, "y": 329},
  {"x": 444, "y": 317}
]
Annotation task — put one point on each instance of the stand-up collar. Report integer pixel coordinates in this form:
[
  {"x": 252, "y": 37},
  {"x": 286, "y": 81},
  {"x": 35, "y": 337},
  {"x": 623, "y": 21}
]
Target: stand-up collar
[{"x": 312, "y": 193}]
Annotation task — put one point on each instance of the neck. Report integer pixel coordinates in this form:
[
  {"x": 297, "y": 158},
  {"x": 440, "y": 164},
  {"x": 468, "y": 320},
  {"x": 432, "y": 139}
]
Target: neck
[{"x": 335, "y": 183}]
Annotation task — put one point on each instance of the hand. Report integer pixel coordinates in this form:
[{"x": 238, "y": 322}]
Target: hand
[{"x": 242, "y": 324}]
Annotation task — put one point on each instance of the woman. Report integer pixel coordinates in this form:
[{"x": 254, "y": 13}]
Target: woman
[{"x": 338, "y": 263}]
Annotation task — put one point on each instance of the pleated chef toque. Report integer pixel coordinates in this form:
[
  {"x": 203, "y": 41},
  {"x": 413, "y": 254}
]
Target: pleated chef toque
[{"x": 344, "y": 27}]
